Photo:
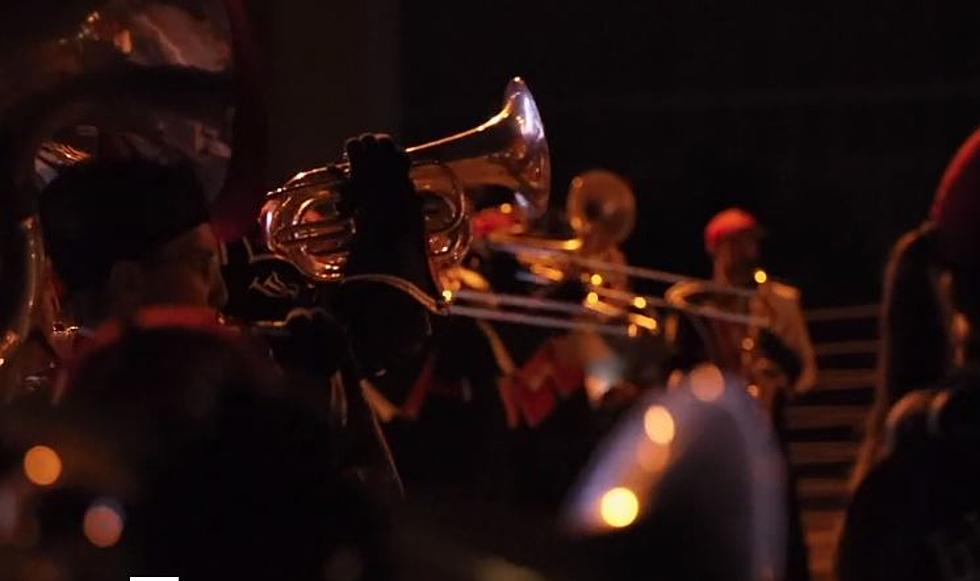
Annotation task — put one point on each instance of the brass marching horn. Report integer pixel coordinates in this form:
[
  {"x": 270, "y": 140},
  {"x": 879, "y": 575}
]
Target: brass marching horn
[{"x": 305, "y": 221}]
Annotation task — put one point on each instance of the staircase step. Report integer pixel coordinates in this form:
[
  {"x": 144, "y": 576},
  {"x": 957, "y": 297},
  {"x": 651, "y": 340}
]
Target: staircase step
[
  {"x": 863, "y": 396},
  {"x": 823, "y": 488},
  {"x": 822, "y": 452},
  {"x": 809, "y": 417}
]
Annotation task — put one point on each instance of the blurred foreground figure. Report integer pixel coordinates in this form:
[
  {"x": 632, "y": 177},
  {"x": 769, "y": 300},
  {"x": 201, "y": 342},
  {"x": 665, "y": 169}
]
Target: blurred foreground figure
[
  {"x": 688, "y": 486},
  {"x": 917, "y": 513},
  {"x": 180, "y": 452}
]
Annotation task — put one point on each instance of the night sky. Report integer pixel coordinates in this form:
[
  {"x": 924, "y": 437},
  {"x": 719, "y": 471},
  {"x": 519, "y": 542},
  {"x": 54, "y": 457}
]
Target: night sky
[{"x": 832, "y": 121}]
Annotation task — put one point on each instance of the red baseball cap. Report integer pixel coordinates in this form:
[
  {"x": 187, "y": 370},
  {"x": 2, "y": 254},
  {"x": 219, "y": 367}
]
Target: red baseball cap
[
  {"x": 956, "y": 207},
  {"x": 727, "y": 223}
]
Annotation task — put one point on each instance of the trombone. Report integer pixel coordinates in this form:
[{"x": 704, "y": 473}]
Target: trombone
[{"x": 308, "y": 223}]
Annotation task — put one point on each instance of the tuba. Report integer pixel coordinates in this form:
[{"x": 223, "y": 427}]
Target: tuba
[
  {"x": 104, "y": 78},
  {"x": 307, "y": 221}
]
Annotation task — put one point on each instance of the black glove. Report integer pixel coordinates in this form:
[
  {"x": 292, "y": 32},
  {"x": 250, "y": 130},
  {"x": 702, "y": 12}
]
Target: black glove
[
  {"x": 312, "y": 344},
  {"x": 385, "y": 325},
  {"x": 390, "y": 225},
  {"x": 380, "y": 189}
]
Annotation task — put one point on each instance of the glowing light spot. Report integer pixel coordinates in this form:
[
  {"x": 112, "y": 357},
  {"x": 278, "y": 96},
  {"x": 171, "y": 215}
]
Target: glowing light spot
[
  {"x": 447, "y": 295},
  {"x": 640, "y": 303},
  {"x": 675, "y": 379},
  {"x": 760, "y": 276},
  {"x": 659, "y": 425},
  {"x": 748, "y": 344},
  {"x": 633, "y": 331},
  {"x": 592, "y": 299},
  {"x": 103, "y": 524},
  {"x": 754, "y": 390},
  {"x": 652, "y": 458},
  {"x": 506, "y": 209},
  {"x": 596, "y": 279},
  {"x": 42, "y": 465},
  {"x": 596, "y": 386},
  {"x": 619, "y": 507},
  {"x": 707, "y": 383}
]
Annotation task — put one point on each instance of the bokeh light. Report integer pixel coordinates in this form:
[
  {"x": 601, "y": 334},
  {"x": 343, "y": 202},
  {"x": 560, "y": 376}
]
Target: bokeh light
[
  {"x": 707, "y": 383},
  {"x": 42, "y": 465},
  {"x": 659, "y": 425},
  {"x": 619, "y": 507},
  {"x": 103, "y": 524}
]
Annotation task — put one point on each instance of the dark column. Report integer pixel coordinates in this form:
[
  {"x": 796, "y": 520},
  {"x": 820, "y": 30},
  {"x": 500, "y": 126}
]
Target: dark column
[{"x": 334, "y": 73}]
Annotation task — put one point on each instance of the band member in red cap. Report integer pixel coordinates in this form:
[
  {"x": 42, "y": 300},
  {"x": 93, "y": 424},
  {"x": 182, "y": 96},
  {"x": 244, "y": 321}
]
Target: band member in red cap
[
  {"x": 765, "y": 338},
  {"x": 768, "y": 340},
  {"x": 915, "y": 514}
]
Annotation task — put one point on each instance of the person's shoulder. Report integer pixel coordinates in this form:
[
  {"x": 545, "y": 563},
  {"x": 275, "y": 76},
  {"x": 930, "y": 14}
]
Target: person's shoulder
[
  {"x": 785, "y": 291},
  {"x": 948, "y": 414}
]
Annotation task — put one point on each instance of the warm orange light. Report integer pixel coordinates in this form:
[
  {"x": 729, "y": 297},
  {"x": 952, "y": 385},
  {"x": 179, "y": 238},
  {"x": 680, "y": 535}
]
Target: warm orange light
[
  {"x": 633, "y": 331},
  {"x": 596, "y": 279},
  {"x": 42, "y": 465},
  {"x": 506, "y": 208},
  {"x": 652, "y": 458},
  {"x": 619, "y": 507},
  {"x": 760, "y": 276},
  {"x": 103, "y": 525},
  {"x": 447, "y": 295},
  {"x": 707, "y": 383},
  {"x": 675, "y": 378},
  {"x": 659, "y": 425},
  {"x": 754, "y": 390},
  {"x": 748, "y": 344},
  {"x": 592, "y": 298},
  {"x": 640, "y": 303}
]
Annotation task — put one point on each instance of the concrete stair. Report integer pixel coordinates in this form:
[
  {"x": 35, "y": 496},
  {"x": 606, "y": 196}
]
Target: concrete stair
[{"x": 826, "y": 425}]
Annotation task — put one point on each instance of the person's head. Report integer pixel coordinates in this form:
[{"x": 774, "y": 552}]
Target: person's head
[
  {"x": 956, "y": 214},
  {"x": 125, "y": 234},
  {"x": 733, "y": 239}
]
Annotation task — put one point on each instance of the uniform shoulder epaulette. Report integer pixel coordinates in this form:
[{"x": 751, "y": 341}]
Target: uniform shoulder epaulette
[{"x": 785, "y": 291}]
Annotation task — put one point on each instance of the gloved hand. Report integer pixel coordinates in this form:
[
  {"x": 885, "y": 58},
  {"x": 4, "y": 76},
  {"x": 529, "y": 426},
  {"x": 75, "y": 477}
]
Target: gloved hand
[
  {"x": 385, "y": 324},
  {"x": 312, "y": 344},
  {"x": 380, "y": 190},
  {"x": 388, "y": 218}
]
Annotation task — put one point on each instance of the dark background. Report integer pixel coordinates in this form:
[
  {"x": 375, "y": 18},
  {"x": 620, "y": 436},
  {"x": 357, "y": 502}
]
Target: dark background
[{"x": 832, "y": 121}]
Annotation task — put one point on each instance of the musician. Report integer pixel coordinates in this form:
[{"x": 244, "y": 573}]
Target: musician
[
  {"x": 778, "y": 358},
  {"x": 915, "y": 514},
  {"x": 128, "y": 234}
]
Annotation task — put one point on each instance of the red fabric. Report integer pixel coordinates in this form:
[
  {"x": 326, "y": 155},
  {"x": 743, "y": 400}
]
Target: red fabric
[
  {"x": 956, "y": 208},
  {"x": 420, "y": 389},
  {"x": 725, "y": 224},
  {"x": 492, "y": 220},
  {"x": 538, "y": 386},
  {"x": 237, "y": 206}
]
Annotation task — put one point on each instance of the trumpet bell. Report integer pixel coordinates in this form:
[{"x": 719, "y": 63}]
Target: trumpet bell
[{"x": 308, "y": 221}]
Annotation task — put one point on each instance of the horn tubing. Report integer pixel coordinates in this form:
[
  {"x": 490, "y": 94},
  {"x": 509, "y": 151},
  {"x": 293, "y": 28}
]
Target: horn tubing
[{"x": 484, "y": 314}]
